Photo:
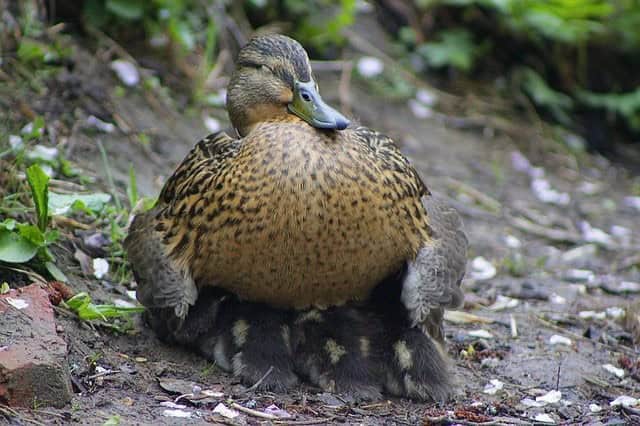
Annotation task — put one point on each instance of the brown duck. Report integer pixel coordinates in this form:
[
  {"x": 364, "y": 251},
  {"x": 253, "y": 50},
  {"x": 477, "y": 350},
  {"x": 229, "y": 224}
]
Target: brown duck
[{"x": 302, "y": 210}]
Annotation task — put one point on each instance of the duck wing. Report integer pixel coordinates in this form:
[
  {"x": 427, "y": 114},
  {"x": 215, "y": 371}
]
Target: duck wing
[{"x": 158, "y": 239}]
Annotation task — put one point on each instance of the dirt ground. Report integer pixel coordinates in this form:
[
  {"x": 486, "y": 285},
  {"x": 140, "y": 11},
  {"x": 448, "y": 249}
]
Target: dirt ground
[{"x": 529, "y": 333}]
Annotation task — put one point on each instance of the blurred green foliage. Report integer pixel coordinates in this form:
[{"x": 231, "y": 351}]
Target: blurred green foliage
[
  {"x": 565, "y": 55},
  {"x": 317, "y": 24},
  {"x": 182, "y": 22}
]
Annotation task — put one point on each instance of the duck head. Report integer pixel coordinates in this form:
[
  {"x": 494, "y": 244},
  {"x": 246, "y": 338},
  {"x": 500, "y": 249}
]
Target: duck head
[{"x": 272, "y": 79}]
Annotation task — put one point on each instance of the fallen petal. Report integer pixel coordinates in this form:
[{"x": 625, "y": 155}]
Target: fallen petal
[
  {"x": 225, "y": 411},
  {"x": 493, "y": 387},
  {"x": 625, "y": 401},
  {"x": 503, "y": 302},
  {"x": 100, "y": 267},
  {"x": 369, "y": 66},
  {"x": 176, "y": 413},
  {"x": 212, "y": 124},
  {"x": 17, "y": 303},
  {"x": 550, "y": 397},
  {"x": 618, "y": 372},
  {"x": 559, "y": 340},
  {"x": 544, "y": 418},
  {"x": 276, "y": 411},
  {"x": 170, "y": 404},
  {"x": 126, "y": 72},
  {"x": 482, "y": 269},
  {"x": 482, "y": 334}
]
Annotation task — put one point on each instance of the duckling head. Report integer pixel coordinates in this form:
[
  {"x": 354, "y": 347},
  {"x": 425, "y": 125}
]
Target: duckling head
[{"x": 273, "y": 79}]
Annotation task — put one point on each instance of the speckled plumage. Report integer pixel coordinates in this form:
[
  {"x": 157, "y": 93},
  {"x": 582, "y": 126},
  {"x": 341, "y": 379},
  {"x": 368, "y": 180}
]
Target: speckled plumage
[
  {"x": 288, "y": 218},
  {"x": 327, "y": 214}
]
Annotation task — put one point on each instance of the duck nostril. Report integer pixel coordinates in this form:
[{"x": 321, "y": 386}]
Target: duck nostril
[{"x": 306, "y": 97}]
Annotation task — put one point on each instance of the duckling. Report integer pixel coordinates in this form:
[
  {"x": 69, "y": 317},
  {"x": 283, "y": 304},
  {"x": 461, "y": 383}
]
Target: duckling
[{"x": 304, "y": 212}]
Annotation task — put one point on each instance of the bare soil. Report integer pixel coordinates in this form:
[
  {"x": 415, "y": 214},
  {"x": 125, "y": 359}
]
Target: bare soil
[{"x": 475, "y": 169}]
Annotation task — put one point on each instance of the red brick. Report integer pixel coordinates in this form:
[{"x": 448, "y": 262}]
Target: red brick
[{"x": 33, "y": 366}]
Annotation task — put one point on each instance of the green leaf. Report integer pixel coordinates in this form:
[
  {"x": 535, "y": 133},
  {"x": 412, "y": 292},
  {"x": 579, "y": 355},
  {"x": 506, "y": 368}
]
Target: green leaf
[
  {"x": 112, "y": 421},
  {"x": 94, "y": 13},
  {"x": 32, "y": 51},
  {"x": 32, "y": 234},
  {"x": 4, "y": 288},
  {"x": 61, "y": 204},
  {"x": 39, "y": 183},
  {"x": 8, "y": 224},
  {"x": 126, "y": 9},
  {"x": 625, "y": 104},
  {"x": 455, "y": 48},
  {"x": 182, "y": 34},
  {"x": 544, "y": 96},
  {"x": 132, "y": 189},
  {"x": 15, "y": 249},
  {"x": 55, "y": 272},
  {"x": 81, "y": 304},
  {"x": 78, "y": 300}
]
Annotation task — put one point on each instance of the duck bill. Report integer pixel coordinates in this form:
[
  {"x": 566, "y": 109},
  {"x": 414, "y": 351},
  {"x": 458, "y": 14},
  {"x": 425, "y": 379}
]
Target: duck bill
[{"x": 309, "y": 106}]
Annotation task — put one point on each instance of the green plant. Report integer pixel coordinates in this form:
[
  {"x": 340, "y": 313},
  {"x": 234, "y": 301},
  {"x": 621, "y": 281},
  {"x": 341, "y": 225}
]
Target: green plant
[
  {"x": 317, "y": 24},
  {"x": 86, "y": 310},
  {"x": 454, "y": 48},
  {"x": 21, "y": 242}
]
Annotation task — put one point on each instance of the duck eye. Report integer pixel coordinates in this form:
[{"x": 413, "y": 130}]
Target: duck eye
[{"x": 305, "y": 96}]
